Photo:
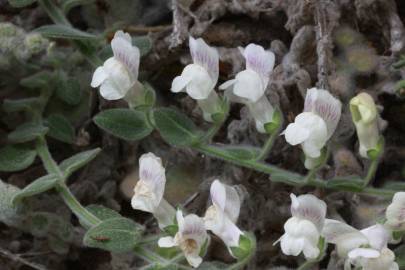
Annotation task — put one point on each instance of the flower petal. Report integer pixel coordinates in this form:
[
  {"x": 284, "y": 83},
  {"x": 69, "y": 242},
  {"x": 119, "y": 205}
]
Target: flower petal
[
  {"x": 110, "y": 91},
  {"x": 259, "y": 60},
  {"x": 377, "y": 235},
  {"x": 166, "y": 242},
  {"x": 295, "y": 134},
  {"x": 143, "y": 203},
  {"x": 364, "y": 252},
  {"x": 193, "y": 228},
  {"x": 126, "y": 53},
  {"x": 249, "y": 85},
  {"x": 200, "y": 86},
  {"x": 152, "y": 173},
  {"x": 309, "y": 207},
  {"x": 193, "y": 259},
  {"x": 99, "y": 76},
  {"x": 333, "y": 229},
  {"x": 226, "y": 198},
  {"x": 179, "y": 83},
  {"x": 395, "y": 213},
  {"x": 325, "y": 105},
  {"x": 205, "y": 56},
  {"x": 291, "y": 246},
  {"x": 227, "y": 84}
]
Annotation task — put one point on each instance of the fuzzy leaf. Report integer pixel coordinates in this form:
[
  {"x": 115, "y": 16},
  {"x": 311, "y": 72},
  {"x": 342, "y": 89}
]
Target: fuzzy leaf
[
  {"x": 69, "y": 91},
  {"x": 60, "y": 128},
  {"x": 27, "y": 132},
  {"x": 242, "y": 152},
  {"x": 63, "y": 32},
  {"x": 287, "y": 178},
  {"x": 21, "y": 3},
  {"x": 38, "y": 186},
  {"x": 126, "y": 124},
  {"x": 9, "y": 214},
  {"x": 18, "y": 105},
  {"x": 102, "y": 213},
  {"x": 38, "y": 80},
  {"x": 144, "y": 44},
  {"x": 175, "y": 127},
  {"x": 16, "y": 158},
  {"x": 115, "y": 235},
  {"x": 72, "y": 164}
]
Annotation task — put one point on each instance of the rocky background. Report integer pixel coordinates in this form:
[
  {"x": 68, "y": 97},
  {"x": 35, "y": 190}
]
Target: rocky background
[{"x": 345, "y": 46}]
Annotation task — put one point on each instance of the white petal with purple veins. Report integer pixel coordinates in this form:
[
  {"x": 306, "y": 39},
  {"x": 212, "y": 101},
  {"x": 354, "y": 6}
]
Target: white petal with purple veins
[
  {"x": 395, "y": 213},
  {"x": 325, "y": 105},
  {"x": 205, "y": 56},
  {"x": 260, "y": 61},
  {"x": 126, "y": 53},
  {"x": 310, "y": 208}
]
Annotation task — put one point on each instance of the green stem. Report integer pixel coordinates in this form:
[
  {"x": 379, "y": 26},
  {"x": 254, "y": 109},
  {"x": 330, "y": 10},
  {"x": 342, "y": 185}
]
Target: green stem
[
  {"x": 288, "y": 178},
  {"x": 372, "y": 169},
  {"x": 52, "y": 168},
  {"x": 268, "y": 145},
  {"x": 148, "y": 255},
  {"x": 79, "y": 210}
]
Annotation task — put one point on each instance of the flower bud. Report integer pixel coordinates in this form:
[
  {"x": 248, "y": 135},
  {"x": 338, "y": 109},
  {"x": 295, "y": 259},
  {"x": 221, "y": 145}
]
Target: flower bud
[{"x": 365, "y": 118}]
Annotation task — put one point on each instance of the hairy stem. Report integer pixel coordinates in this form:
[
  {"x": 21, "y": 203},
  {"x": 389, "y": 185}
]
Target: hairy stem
[
  {"x": 288, "y": 177},
  {"x": 268, "y": 145}
]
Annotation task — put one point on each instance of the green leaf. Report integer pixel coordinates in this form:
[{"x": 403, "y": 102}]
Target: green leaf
[
  {"x": 60, "y": 128},
  {"x": 10, "y": 214},
  {"x": 115, "y": 235},
  {"x": 16, "y": 158},
  {"x": 352, "y": 183},
  {"x": 241, "y": 152},
  {"x": 18, "y": 105},
  {"x": 102, "y": 213},
  {"x": 69, "y": 4},
  {"x": 175, "y": 127},
  {"x": 21, "y": 3},
  {"x": 247, "y": 246},
  {"x": 63, "y": 32},
  {"x": 394, "y": 185},
  {"x": 38, "y": 186},
  {"x": 27, "y": 132},
  {"x": 72, "y": 164},
  {"x": 400, "y": 256},
  {"x": 38, "y": 80},
  {"x": 126, "y": 124},
  {"x": 144, "y": 44},
  {"x": 69, "y": 91}
]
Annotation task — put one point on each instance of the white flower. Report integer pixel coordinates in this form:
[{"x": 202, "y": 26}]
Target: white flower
[
  {"x": 221, "y": 216},
  {"x": 190, "y": 238},
  {"x": 199, "y": 78},
  {"x": 119, "y": 74},
  {"x": 395, "y": 213},
  {"x": 149, "y": 190},
  {"x": 365, "y": 119},
  {"x": 303, "y": 229},
  {"x": 314, "y": 127},
  {"x": 366, "y": 248},
  {"x": 249, "y": 85}
]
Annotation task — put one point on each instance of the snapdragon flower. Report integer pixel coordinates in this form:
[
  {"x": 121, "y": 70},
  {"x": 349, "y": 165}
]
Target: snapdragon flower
[
  {"x": 395, "y": 213},
  {"x": 149, "y": 190},
  {"x": 303, "y": 229},
  {"x": 118, "y": 76},
  {"x": 314, "y": 127},
  {"x": 365, "y": 119},
  {"x": 199, "y": 78},
  {"x": 249, "y": 85},
  {"x": 366, "y": 248},
  {"x": 221, "y": 216},
  {"x": 190, "y": 238}
]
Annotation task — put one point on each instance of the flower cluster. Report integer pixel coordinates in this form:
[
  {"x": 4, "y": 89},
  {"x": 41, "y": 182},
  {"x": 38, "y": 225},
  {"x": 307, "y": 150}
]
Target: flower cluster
[
  {"x": 220, "y": 218},
  {"x": 367, "y": 248}
]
